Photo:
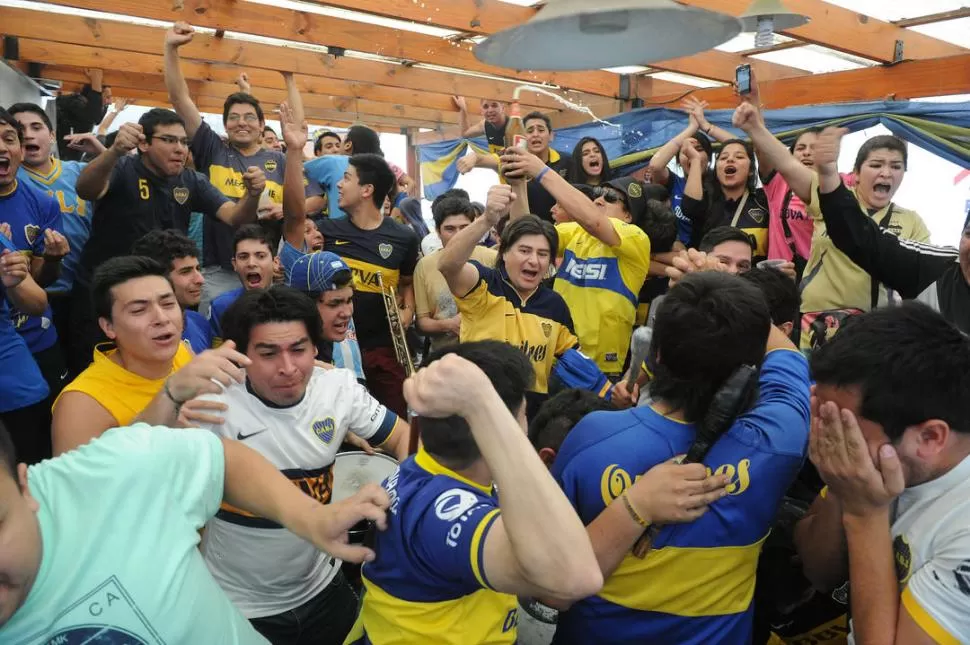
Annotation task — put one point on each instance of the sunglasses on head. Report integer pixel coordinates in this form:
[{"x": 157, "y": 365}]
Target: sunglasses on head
[{"x": 610, "y": 195}]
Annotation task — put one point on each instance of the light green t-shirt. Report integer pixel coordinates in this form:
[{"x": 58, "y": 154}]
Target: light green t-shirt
[{"x": 119, "y": 520}]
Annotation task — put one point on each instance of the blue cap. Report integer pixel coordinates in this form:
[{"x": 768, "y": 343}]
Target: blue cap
[{"x": 315, "y": 272}]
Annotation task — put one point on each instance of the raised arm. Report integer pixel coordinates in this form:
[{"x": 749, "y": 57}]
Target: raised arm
[
  {"x": 695, "y": 107},
  {"x": 93, "y": 181},
  {"x": 537, "y": 545},
  {"x": 453, "y": 263},
  {"x": 294, "y": 133},
  {"x": 658, "y": 163},
  {"x": 468, "y": 130},
  {"x": 178, "y": 90},
  {"x": 110, "y": 117},
  {"x": 772, "y": 152}
]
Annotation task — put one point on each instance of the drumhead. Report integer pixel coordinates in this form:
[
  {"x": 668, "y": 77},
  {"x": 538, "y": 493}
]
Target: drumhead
[{"x": 351, "y": 470}]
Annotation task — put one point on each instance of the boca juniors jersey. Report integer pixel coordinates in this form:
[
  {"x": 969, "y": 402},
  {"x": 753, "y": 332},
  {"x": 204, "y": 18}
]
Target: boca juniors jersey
[
  {"x": 428, "y": 582},
  {"x": 696, "y": 585}
]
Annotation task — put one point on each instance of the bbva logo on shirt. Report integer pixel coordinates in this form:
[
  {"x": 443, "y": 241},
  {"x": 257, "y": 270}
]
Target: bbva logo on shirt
[{"x": 454, "y": 503}]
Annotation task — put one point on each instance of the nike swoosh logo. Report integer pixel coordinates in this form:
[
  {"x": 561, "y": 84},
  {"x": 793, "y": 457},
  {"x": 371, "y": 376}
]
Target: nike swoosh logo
[
  {"x": 341, "y": 242},
  {"x": 242, "y": 437}
]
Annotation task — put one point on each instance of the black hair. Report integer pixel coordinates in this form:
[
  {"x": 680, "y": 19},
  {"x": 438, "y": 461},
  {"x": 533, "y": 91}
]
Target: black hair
[
  {"x": 341, "y": 280},
  {"x": 881, "y": 142},
  {"x": 318, "y": 142},
  {"x": 109, "y": 140},
  {"x": 753, "y": 166},
  {"x": 364, "y": 141},
  {"x": 811, "y": 130},
  {"x": 165, "y": 246},
  {"x": 270, "y": 130},
  {"x": 660, "y": 224},
  {"x": 7, "y": 119},
  {"x": 909, "y": 364},
  {"x": 156, "y": 117},
  {"x": 576, "y": 173},
  {"x": 710, "y": 324},
  {"x": 721, "y": 234},
  {"x": 252, "y": 232},
  {"x": 241, "y": 98},
  {"x": 450, "y": 439},
  {"x": 118, "y": 271},
  {"x": 560, "y": 413},
  {"x": 705, "y": 143},
  {"x": 657, "y": 192},
  {"x": 452, "y": 192},
  {"x": 526, "y": 225},
  {"x": 450, "y": 206},
  {"x": 780, "y": 292},
  {"x": 278, "y": 304},
  {"x": 8, "y": 452},
  {"x": 538, "y": 115},
  {"x": 372, "y": 169},
  {"x": 17, "y": 108}
]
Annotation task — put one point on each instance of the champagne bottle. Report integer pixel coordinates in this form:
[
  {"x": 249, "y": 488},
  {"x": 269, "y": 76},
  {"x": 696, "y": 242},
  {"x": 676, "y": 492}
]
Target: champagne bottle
[{"x": 515, "y": 138}]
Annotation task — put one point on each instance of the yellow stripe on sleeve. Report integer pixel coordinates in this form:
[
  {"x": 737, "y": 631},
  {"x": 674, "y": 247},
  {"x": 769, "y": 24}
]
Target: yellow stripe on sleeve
[
  {"x": 478, "y": 548},
  {"x": 927, "y": 623}
]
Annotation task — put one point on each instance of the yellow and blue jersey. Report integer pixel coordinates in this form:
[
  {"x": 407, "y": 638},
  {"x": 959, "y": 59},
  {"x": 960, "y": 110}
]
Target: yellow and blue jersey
[
  {"x": 539, "y": 325},
  {"x": 217, "y": 310},
  {"x": 428, "y": 583},
  {"x": 196, "y": 331},
  {"x": 60, "y": 184},
  {"x": 601, "y": 284},
  {"x": 697, "y": 583}
]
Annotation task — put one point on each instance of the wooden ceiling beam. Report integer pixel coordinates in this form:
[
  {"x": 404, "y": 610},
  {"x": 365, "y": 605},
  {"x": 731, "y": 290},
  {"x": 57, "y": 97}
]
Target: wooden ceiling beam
[
  {"x": 933, "y": 18},
  {"x": 111, "y": 36},
  {"x": 484, "y": 17},
  {"x": 848, "y": 31},
  {"x": 276, "y": 22},
  {"x": 907, "y": 80}
]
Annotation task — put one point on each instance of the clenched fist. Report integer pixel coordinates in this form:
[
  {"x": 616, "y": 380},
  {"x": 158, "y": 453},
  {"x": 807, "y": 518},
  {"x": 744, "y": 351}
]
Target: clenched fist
[
  {"x": 129, "y": 136},
  {"x": 180, "y": 34},
  {"x": 255, "y": 181}
]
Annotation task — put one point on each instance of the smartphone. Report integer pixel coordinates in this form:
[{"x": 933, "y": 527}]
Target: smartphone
[{"x": 742, "y": 78}]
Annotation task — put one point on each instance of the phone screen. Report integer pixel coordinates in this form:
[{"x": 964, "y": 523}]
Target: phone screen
[{"x": 743, "y": 79}]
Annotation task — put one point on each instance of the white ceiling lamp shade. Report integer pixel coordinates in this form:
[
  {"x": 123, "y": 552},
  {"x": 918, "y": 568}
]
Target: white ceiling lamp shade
[
  {"x": 766, "y": 16},
  {"x": 591, "y": 34}
]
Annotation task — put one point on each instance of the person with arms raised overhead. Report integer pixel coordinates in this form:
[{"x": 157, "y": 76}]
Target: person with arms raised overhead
[
  {"x": 328, "y": 170},
  {"x": 492, "y": 126},
  {"x": 130, "y": 507},
  {"x": 454, "y": 555},
  {"x": 135, "y": 194}
]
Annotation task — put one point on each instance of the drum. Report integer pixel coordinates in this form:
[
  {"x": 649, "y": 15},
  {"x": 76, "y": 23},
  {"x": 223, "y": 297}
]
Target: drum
[{"x": 351, "y": 470}]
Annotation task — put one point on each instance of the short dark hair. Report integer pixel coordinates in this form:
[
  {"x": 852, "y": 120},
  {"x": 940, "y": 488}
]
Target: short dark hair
[
  {"x": 780, "y": 292},
  {"x": 270, "y": 130},
  {"x": 318, "y": 142},
  {"x": 660, "y": 225},
  {"x": 705, "y": 143},
  {"x": 881, "y": 142},
  {"x": 538, "y": 115},
  {"x": 656, "y": 192},
  {"x": 577, "y": 174},
  {"x": 279, "y": 304},
  {"x": 7, "y": 119},
  {"x": 165, "y": 246},
  {"x": 364, "y": 141},
  {"x": 451, "y": 206},
  {"x": 451, "y": 192},
  {"x": 810, "y": 130},
  {"x": 17, "y": 108},
  {"x": 372, "y": 169},
  {"x": 156, "y": 117},
  {"x": 710, "y": 324},
  {"x": 8, "y": 453},
  {"x": 252, "y": 232},
  {"x": 909, "y": 364},
  {"x": 241, "y": 98},
  {"x": 560, "y": 413},
  {"x": 450, "y": 439},
  {"x": 721, "y": 234},
  {"x": 118, "y": 271},
  {"x": 526, "y": 225}
]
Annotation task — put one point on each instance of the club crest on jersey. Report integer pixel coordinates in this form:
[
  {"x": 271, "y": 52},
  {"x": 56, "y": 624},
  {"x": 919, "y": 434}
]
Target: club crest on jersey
[
  {"x": 181, "y": 195},
  {"x": 31, "y": 233},
  {"x": 547, "y": 329},
  {"x": 758, "y": 215},
  {"x": 270, "y": 165},
  {"x": 634, "y": 190},
  {"x": 325, "y": 429},
  {"x": 385, "y": 250},
  {"x": 903, "y": 555}
]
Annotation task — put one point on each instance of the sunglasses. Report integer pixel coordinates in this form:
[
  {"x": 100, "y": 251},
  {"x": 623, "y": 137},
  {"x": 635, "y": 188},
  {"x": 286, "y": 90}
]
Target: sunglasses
[{"x": 609, "y": 195}]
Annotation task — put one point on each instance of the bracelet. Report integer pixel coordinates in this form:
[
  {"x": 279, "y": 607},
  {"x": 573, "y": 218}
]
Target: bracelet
[
  {"x": 710, "y": 126},
  {"x": 632, "y": 511},
  {"x": 178, "y": 404},
  {"x": 541, "y": 173}
]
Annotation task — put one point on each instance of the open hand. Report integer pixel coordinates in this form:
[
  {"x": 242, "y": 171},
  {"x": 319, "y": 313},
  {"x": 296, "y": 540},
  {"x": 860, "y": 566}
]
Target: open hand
[
  {"x": 329, "y": 526},
  {"x": 692, "y": 261},
  {"x": 224, "y": 365},
  {"x": 672, "y": 493},
  {"x": 295, "y": 134},
  {"x": 201, "y": 411},
  {"x": 520, "y": 164}
]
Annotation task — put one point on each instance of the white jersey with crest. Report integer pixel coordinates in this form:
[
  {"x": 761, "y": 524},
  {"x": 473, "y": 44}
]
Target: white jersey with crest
[{"x": 263, "y": 568}]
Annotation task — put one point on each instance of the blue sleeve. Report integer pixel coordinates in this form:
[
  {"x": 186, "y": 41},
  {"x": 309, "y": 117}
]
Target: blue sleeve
[
  {"x": 215, "y": 312},
  {"x": 52, "y": 218},
  {"x": 782, "y": 414},
  {"x": 450, "y": 536},
  {"x": 321, "y": 170},
  {"x": 289, "y": 254}
]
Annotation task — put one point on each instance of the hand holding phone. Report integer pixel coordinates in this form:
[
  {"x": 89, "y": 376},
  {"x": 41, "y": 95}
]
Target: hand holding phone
[{"x": 742, "y": 79}]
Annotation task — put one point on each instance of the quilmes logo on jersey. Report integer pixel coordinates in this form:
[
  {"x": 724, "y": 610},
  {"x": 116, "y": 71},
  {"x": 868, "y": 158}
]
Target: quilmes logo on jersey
[
  {"x": 181, "y": 195},
  {"x": 324, "y": 429}
]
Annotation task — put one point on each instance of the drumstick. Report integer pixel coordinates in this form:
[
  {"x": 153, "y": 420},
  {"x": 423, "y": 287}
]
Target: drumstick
[{"x": 415, "y": 434}]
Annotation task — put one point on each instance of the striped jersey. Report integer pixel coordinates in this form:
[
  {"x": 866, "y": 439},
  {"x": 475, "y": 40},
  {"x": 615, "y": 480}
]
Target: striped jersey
[
  {"x": 601, "y": 285},
  {"x": 697, "y": 583},
  {"x": 428, "y": 582}
]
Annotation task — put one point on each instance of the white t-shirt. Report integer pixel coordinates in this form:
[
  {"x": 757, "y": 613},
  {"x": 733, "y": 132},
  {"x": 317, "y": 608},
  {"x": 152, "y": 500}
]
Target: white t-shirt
[
  {"x": 931, "y": 545},
  {"x": 263, "y": 568},
  {"x": 120, "y": 519}
]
